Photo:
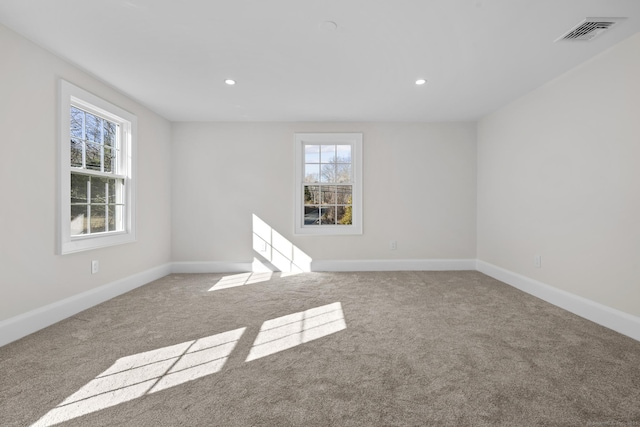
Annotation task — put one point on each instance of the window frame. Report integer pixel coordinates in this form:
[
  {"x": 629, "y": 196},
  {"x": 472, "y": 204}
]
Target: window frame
[
  {"x": 71, "y": 95},
  {"x": 355, "y": 141}
]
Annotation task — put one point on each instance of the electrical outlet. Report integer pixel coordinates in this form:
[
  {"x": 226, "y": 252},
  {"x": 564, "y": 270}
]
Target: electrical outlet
[
  {"x": 95, "y": 266},
  {"x": 537, "y": 261},
  {"x": 393, "y": 245}
]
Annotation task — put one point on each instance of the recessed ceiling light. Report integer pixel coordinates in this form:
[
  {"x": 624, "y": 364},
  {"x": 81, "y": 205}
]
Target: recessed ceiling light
[
  {"x": 420, "y": 82},
  {"x": 230, "y": 82}
]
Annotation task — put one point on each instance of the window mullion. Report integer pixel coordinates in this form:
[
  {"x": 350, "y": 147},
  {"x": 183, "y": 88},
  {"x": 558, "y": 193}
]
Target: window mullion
[
  {"x": 106, "y": 206},
  {"x": 89, "y": 206},
  {"x": 102, "y": 146},
  {"x": 121, "y": 150},
  {"x": 84, "y": 139}
]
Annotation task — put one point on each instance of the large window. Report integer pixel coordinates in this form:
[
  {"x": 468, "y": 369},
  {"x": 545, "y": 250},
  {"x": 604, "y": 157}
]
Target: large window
[
  {"x": 328, "y": 183},
  {"x": 96, "y": 172}
]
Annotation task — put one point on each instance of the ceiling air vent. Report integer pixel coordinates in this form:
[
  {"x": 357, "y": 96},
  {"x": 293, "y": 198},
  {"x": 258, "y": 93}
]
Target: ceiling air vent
[{"x": 589, "y": 28}]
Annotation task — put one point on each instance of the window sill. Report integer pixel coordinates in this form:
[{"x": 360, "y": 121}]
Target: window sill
[
  {"x": 328, "y": 230},
  {"x": 87, "y": 243}
]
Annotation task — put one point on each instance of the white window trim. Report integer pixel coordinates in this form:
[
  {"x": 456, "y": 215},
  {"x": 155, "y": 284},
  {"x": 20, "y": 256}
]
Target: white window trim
[
  {"x": 355, "y": 140},
  {"x": 70, "y": 94}
]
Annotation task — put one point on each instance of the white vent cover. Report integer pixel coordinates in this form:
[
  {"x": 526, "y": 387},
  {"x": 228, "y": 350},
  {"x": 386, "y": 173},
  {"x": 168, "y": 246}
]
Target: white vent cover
[{"x": 589, "y": 28}]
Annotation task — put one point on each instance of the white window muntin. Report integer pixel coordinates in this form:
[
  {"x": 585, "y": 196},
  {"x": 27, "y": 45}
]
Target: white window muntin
[
  {"x": 123, "y": 170},
  {"x": 354, "y": 141}
]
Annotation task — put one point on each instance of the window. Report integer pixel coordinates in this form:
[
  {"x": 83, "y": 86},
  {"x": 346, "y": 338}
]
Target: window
[
  {"x": 96, "y": 172},
  {"x": 328, "y": 183}
]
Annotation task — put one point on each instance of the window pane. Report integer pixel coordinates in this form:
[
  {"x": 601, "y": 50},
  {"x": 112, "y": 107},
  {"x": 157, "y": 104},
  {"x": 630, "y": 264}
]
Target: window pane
[
  {"x": 328, "y": 173},
  {"x": 311, "y": 172},
  {"x": 78, "y": 220},
  {"x": 93, "y": 128},
  {"x": 311, "y": 194},
  {"x": 76, "y": 153},
  {"x": 312, "y": 154},
  {"x": 116, "y": 217},
  {"x": 328, "y": 154},
  {"x": 93, "y": 156},
  {"x": 98, "y": 223},
  {"x": 79, "y": 188},
  {"x": 311, "y": 215},
  {"x": 98, "y": 190},
  {"x": 344, "y": 215},
  {"x": 112, "y": 191},
  {"x": 111, "y": 223},
  {"x": 343, "y": 172},
  {"x": 344, "y": 196},
  {"x": 77, "y": 117},
  {"x": 109, "y": 132},
  {"x": 328, "y": 195},
  {"x": 328, "y": 215},
  {"x": 109, "y": 154},
  {"x": 343, "y": 153}
]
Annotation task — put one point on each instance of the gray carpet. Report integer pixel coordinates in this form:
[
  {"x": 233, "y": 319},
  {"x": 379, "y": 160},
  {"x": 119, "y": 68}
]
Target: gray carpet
[{"x": 323, "y": 349}]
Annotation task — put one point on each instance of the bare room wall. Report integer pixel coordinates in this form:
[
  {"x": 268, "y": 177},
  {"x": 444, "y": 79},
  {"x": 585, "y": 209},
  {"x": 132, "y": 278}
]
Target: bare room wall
[
  {"x": 419, "y": 189},
  {"x": 558, "y": 176},
  {"x": 31, "y": 274}
]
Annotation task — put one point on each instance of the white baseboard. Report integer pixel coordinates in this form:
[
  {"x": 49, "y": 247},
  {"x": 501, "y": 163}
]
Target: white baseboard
[
  {"x": 24, "y": 324},
  {"x": 210, "y": 267},
  {"x": 394, "y": 265},
  {"x": 608, "y": 317},
  {"x": 333, "y": 265},
  {"x": 32, "y": 321}
]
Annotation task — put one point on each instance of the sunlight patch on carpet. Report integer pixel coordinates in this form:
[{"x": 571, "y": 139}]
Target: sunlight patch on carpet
[
  {"x": 294, "y": 329},
  {"x": 134, "y": 376},
  {"x": 241, "y": 279},
  {"x": 151, "y": 371}
]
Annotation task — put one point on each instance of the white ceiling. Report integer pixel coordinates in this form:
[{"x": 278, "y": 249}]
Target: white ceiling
[{"x": 173, "y": 56}]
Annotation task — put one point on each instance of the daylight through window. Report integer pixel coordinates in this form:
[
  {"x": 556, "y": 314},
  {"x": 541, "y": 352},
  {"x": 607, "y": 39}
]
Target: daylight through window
[
  {"x": 97, "y": 189},
  {"x": 96, "y": 180},
  {"x": 328, "y": 193},
  {"x": 329, "y": 182}
]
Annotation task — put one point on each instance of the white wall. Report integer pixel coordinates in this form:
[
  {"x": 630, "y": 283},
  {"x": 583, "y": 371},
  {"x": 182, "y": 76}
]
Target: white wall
[
  {"x": 559, "y": 176},
  {"x": 419, "y": 189},
  {"x": 31, "y": 274}
]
